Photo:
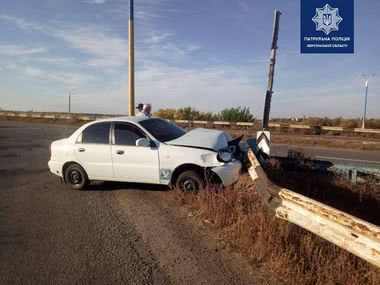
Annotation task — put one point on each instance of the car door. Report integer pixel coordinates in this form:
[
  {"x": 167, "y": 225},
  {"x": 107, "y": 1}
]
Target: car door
[
  {"x": 93, "y": 151},
  {"x": 130, "y": 162}
]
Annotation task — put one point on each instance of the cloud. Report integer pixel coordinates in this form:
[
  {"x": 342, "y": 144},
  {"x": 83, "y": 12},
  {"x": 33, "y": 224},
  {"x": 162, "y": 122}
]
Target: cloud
[
  {"x": 158, "y": 38},
  {"x": 33, "y": 72},
  {"x": 68, "y": 78},
  {"x": 56, "y": 60},
  {"x": 17, "y": 50},
  {"x": 110, "y": 50},
  {"x": 95, "y": 1},
  {"x": 21, "y": 23},
  {"x": 170, "y": 87},
  {"x": 105, "y": 47},
  {"x": 161, "y": 79}
]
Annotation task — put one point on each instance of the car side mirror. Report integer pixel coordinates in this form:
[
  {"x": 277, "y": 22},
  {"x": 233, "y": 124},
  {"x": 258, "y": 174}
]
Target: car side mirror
[{"x": 144, "y": 142}]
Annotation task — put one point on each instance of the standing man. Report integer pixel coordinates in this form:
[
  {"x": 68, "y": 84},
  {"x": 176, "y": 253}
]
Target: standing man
[
  {"x": 139, "y": 108},
  {"x": 144, "y": 110}
]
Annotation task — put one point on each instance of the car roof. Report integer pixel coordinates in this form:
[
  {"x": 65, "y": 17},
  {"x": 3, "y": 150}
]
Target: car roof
[{"x": 135, "y": 119}]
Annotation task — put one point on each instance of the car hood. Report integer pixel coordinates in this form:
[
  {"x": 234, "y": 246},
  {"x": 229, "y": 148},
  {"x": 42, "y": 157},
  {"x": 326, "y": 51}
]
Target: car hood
[{"x": 203, "y": 138}]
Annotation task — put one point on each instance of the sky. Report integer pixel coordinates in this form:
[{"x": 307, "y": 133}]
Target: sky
[{"x": 209, "y": 54}]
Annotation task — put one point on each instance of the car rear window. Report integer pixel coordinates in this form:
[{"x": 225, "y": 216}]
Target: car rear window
[
  {"x": 97, "y": 133},
  {"x": 162, "y": 130}
]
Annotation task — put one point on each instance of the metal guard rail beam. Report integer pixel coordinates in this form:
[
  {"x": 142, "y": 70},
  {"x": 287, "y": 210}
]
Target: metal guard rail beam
[
  {"x": 90, "y": 117},
  {"x": 348, "y": 232}
]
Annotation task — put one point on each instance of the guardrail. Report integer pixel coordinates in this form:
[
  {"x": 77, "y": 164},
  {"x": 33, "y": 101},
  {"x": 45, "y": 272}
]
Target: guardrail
[
  {"x": 348, "y": 232},
  {"x": 59, "y": 116},
  {"x": 91, "y": 117}
]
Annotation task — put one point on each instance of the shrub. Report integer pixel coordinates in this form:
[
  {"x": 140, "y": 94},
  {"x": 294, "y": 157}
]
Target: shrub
[
  {"x": 336, "y": 122},
  {"x": 168, "y": 114},
  {"x": 372, "y": 124},
  {"x": 349, "y": 123},
  {"x": 239, "y": 114},
  {"x": 187, "y": 113},
  {"x": 190, "y": 113}
]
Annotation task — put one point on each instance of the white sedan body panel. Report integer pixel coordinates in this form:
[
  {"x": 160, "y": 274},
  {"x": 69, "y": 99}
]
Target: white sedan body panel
[
  {"x": 95, "y": 159},
  {"x": 172, "y": 157},
  {"x": 135, "y": 164},
  {"x": 154, "y": 165}
]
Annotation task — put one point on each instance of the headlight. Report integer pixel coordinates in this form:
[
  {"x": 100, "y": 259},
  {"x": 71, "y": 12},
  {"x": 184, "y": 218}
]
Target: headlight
[{"x": 224, "y": 156}]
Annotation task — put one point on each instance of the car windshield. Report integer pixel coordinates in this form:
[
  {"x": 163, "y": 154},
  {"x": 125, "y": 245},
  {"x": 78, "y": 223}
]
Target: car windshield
[{"x": 162, "y": 130}]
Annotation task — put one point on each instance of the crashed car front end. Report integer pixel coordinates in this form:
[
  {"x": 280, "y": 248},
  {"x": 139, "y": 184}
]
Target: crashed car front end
[
  {"x": 231, "y": 158},
  {"x": 213, "y": 150}
]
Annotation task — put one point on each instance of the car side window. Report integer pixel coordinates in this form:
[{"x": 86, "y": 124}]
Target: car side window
[
  {"x": 97, "y": 133},
  {"x": 127, "y": 134}
]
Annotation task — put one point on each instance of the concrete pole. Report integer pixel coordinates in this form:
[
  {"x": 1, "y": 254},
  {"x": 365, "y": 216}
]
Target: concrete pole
[
  {"x": 365, "y": 104},
  {"x": 268, "y": 96},
  {"x": 131, "y": 60}
]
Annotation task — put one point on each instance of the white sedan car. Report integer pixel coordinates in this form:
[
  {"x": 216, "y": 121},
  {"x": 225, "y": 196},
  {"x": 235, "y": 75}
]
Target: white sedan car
[{"x": 145, "y": 150}]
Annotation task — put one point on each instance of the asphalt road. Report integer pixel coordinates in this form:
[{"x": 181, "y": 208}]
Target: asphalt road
[
  {"x": 335, "y": 155},
  {"x": 115, "y": 233}
]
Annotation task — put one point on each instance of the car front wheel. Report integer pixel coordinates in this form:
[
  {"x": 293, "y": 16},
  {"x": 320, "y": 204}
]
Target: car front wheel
[
  {"x": 76, "y": 177},
  {"x": 190, "y": 181}
]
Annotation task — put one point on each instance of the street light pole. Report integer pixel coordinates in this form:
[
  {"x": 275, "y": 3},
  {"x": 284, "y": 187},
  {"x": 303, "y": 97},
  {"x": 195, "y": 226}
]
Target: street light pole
[
  {"x": 131, "y": 59},
  {"x": 365, "y": 104},
  {"x": 70, "y": 92}
]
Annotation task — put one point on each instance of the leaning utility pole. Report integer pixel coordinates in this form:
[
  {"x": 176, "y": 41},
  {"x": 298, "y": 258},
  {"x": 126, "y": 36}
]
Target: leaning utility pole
[
  {"x": 263, "y": 137},
  {"x": 272, "y": 63},
  {"x": 131, "y": 60}
]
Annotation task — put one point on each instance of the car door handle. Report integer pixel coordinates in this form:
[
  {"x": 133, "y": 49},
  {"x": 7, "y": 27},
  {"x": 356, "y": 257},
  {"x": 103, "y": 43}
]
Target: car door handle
[
  {"x": 120, "y": 152},
  {"x": 81, "y": 149}
]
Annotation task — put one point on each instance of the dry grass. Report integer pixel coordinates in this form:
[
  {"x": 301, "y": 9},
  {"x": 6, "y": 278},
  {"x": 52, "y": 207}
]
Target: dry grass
[
  {"x": 291, "y": 254},
  {"x": 321, "y": 141}
]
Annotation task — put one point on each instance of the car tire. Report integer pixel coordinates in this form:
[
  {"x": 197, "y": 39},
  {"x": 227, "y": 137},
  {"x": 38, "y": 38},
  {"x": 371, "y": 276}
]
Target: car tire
[
  {"x": 76, "y": 177},
  {"x": 190, "y": 181}
]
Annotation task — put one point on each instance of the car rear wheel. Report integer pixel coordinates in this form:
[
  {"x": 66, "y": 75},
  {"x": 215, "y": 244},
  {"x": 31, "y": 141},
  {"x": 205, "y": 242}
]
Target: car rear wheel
[
  {"x": 76, "y": 177},
  {"x": 190, "y": 181}
]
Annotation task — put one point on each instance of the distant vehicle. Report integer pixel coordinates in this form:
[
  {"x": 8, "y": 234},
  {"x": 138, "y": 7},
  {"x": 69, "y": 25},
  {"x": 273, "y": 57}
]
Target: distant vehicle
[{"x": 145, "y": 150}]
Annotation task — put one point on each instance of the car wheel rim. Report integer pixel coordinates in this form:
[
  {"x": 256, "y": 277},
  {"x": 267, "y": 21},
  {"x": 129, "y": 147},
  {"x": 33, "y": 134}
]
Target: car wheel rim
[
  {"x": 75, "y": 177},
  {"x": 189, "y": 185}
]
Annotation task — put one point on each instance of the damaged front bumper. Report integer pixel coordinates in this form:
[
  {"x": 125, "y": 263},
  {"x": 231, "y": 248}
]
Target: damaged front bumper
[{"x": 228, "y": 173}]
